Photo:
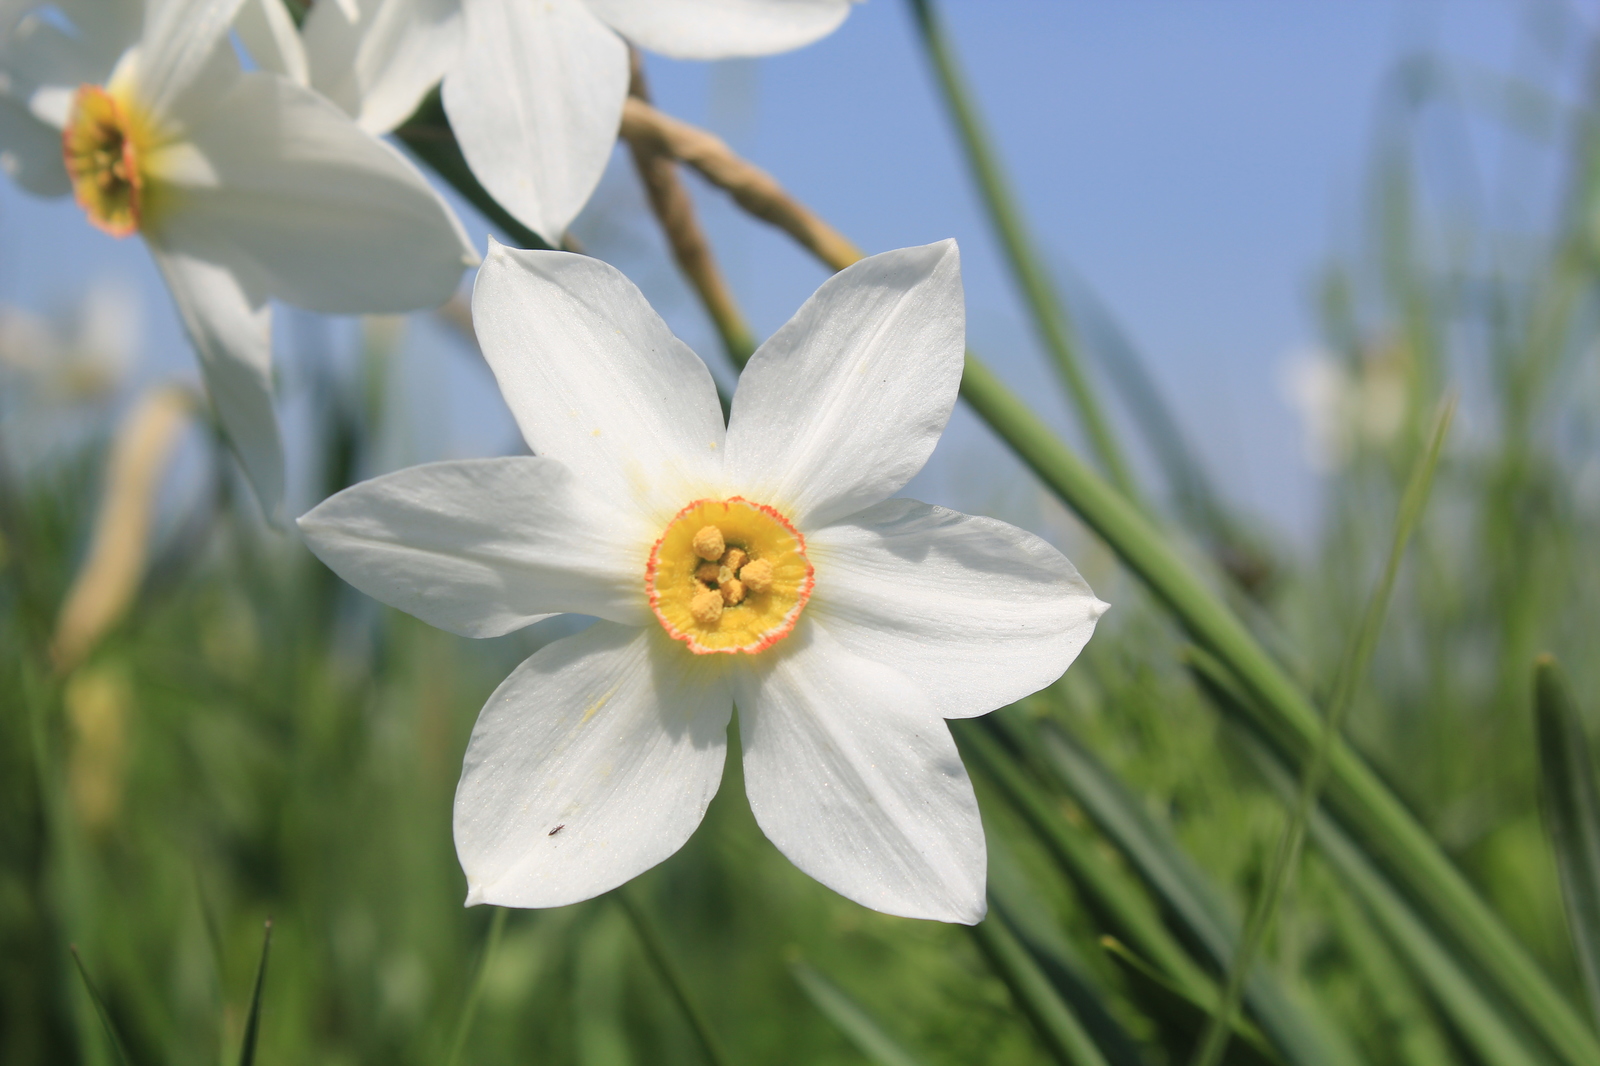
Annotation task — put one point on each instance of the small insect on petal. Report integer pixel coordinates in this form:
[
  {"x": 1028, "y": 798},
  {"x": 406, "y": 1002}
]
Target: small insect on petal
[{"x": 556, "y": 830}]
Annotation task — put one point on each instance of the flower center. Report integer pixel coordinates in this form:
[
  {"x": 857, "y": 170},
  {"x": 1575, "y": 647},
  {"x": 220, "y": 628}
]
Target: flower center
[
  {"x": 101, "y": 144},
  {"x": 728, "y": 576}
]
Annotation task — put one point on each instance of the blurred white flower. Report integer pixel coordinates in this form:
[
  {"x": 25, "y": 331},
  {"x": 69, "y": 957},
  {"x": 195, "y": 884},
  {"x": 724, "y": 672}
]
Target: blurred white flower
[
  {"x": 761, "y": 563},
  {"x": 83, "y": 357},
  {"x": 1344, "y": 408},
  {"x": 245, "y": 186},
  {"x": 534, "y": 91}
]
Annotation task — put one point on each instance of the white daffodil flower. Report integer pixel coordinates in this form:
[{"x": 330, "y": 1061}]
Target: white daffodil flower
[
  {"x": 246, "y": 186},
  {"x": 761, "y": 564},
  {"x": 534, "y": 91}
]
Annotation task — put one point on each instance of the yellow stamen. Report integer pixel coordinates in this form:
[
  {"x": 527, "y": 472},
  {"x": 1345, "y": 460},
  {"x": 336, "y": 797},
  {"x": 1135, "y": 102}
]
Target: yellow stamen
[
  {"x": 102, "y": 146},
  {"x": 708, "y": 543},
  {"x": 757, "y": 576},
  {"x": 697, "y": 582}
]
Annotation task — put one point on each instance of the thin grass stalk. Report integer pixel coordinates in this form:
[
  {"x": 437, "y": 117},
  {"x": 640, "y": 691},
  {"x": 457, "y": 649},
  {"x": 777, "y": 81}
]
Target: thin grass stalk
[
  {"x": 469, "y": 1008},
  {"x": 1353, "y": 670},
  {"x": 1062, "y": 1033},
  {"x": 1050, "y": 317},
  {"x": 118, "y": 1049},
  {"x": 252, "y": 1023},
  {"x": 1385, "y": 823},
  {"x": 656, "y": 949},
  {"x": 1571, "y": 803},
  {"x": 850, "y": 1017},
  {"x": 1114, "y": 898}
]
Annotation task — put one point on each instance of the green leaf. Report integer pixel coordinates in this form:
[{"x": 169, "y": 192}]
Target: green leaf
[
  {"x": 469, "y": 1006},
  {"x": 1571, "y": 806},
  {"x": 850, "y": 1017},
  {"x": 1038, "y": 291},
  {"x": 1116, "y": 901},
  {"x": 1382, "y": 821},
  {"x": 1351, "y": 671},
  {"x": 118, "y": 1048},
  {"x": 656, "y": 949},
  {"x": 1193, "y": 898},
  {"x": 1060, "y": 1030},
  {"x": 1477, "y": 1016},
  {"x": 1180, "y": 1015},
  {"x": 252, "y": 1023}
]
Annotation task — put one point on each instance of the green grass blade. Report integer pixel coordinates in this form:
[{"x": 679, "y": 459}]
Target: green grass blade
[
  {"x": 469, "y": 1007},
  {"x": 1493, "y": 1037},
  {"x": 1115, "y": 899},
  {"x": 1477, "y": 1016},
  {"x": 1038, "y": 291},
  {"x": 1384, "y": 824},
  {"x": 1059, "y": 1029},
  {"x": 252, "y": 1023},
  {"x": 1180, "y": 1015},
  {"x": 850, "y": 1018},
  {"x": 656, "y": 949},
  {"x": 1031, "y": 918},
  {"x": 1191, "y": 896},
  {"x": 118, "y": 1048},
  {"x": 1571, "y": 805},
  {"x": 1287, "y": 853}
]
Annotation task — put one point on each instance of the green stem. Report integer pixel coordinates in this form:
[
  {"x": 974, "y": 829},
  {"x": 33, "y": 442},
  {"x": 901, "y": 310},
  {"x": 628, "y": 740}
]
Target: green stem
[
  {"x": 469, "y": 1009},
  {"x": 1381, "y": 818},
  {"x": 1215, "y": 1041},
  {"x": 1066, "y": 1038},
  {"x": 670, "y": 974},
  {"x": 429, "y": 137},
  {"x": 1050, "y": 318}
]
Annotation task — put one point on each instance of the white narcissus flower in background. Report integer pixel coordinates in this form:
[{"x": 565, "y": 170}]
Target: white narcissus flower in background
[
  {"x": 246, "y": 186},
  {"x": 762, "y": 565},
  {"x": 534, "y": 91}
]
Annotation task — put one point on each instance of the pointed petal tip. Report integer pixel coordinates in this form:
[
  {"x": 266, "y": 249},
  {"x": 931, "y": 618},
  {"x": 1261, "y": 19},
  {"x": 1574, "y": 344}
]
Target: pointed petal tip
[
  {"x": 475, "y": 895},
  {"x": 1099, "y": 608}
]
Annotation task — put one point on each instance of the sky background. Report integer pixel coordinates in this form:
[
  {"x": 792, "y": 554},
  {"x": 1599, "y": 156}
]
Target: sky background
[{"x": 1197, "y": 163}]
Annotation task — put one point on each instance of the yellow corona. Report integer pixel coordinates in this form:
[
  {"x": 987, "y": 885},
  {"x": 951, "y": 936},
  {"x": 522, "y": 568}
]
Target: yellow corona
[{"x": 729, "y": 576}]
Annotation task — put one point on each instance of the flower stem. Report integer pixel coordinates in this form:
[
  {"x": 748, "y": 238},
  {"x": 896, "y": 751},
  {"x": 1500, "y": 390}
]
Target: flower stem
[
  {"x": 1215, "y": 1039},
  {"x": 1050, "y": 317},
  {"x": 1060, "y": 1029},
  {"x": 469, "y": 1009},
  {"x": 673, "y": 977}
]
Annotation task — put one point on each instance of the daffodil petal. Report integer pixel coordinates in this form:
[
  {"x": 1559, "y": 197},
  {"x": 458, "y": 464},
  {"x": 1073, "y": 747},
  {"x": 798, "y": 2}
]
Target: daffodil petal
[
  {"x": 485, "y": 546},
  {"x": 30, "y": 151},
  {"x": 595, "y": 379},
  {"x": 233, "y": 339},
  {"x": 379, "y": 65},
  {"x": 720, "y": 29},
  {"x": 43, "y": 64},
  {"x": 591, "y": 763},
  {"x": 977, "y": 613},
  {"x": 535, "y": 99},
  {"x": 855, "y": 778},
  {"x": 307, "y": 207},
  {"x": 840, "y": 407},
  {"x": 269, "y": 35},
  {"x": 179, "y": 41}
]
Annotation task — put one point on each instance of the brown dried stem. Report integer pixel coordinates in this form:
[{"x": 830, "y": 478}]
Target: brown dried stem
[
  {"x": 674, "y": 209},
  {"x": 110, "y": 576},
  {"x": 751, "y": 187}
]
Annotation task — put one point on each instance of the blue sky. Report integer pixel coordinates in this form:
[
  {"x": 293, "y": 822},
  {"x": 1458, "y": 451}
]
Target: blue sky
[{"x": 1195, "y": 162}]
